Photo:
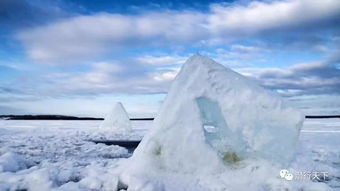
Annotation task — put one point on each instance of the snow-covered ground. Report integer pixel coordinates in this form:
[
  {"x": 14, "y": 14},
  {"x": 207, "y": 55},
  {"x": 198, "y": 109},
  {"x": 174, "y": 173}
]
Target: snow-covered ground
[
  {"x": 319, "y": 149},
  {"x": 55, "y": 155}
]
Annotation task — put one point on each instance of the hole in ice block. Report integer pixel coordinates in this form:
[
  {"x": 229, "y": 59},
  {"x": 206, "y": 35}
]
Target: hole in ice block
[
  {"x": 210, "y": 128},
  {"x": 227, "y": 142},
  {"x": 212, "y": 119}
]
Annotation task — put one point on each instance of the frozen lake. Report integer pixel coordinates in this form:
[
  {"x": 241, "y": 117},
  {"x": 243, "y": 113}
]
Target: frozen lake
[{"x": 54, "y": 155}]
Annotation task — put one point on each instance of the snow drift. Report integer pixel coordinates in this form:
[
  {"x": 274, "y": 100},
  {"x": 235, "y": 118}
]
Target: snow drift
[
  {"x": 117, "y": 120},
  {"x": 213, "y": 121}
]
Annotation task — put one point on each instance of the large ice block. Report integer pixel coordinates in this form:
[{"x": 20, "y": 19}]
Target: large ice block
[{"x": 212, "y": 119}]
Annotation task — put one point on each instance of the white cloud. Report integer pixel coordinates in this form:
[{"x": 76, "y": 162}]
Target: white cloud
[
  {"x": 85, "y": 37},
  {"x": 257, "y": 16},
  {"x": 162, "y": 60},
  {"x": 110, "y": 77},
  {"x": 238, "y": 55},
  {"x": 165, "y": 75}
]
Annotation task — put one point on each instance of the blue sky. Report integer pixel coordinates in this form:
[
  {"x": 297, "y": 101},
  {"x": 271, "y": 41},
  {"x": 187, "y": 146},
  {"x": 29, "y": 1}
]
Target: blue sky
[{"x": 78, "y": 57}]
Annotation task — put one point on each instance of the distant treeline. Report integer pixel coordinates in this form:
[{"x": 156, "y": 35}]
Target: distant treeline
[
  {"x": 322, "y": 116},
  {"x": 55, "y": 117},
  {"x": 64, "y": 117}
]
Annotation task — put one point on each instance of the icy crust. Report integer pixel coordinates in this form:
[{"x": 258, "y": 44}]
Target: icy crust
[
  {"x": 12, "y": 162},
  {"x": 212, "y": 121},
  {"x": 47, "y": 158},
  {"x": 117, "y": 120},
  {"x": 54, "y": 155},
  {"x": 120, "y": 135}
]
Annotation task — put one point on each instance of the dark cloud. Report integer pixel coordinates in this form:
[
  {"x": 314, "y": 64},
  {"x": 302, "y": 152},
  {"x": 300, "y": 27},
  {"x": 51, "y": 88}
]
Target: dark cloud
[
  {"x": 9, "y": 90},
  {"x": 302, "y": 79},
  {"x": 27, "y": 13}
]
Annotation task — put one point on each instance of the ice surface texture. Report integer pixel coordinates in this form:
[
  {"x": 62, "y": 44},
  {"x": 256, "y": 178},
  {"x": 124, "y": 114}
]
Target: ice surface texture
[
  {"x": 54, "y": 155},
  {"x": 51, "y": 155},
  {"x": 117, "y": 120},
  {"x": 214, "y": 117}
]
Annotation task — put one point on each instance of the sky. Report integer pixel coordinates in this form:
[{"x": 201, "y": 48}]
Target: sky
[{"x": 79, "y": 57}]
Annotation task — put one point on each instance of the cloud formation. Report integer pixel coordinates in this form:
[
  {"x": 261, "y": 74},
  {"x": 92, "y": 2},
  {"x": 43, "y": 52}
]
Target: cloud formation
[
  {"x": 300, "y": 79},
  {"x": 140, "y": 76},
  {"x": 83, "y": 37},
  {"x": 129, "y": 76}
]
